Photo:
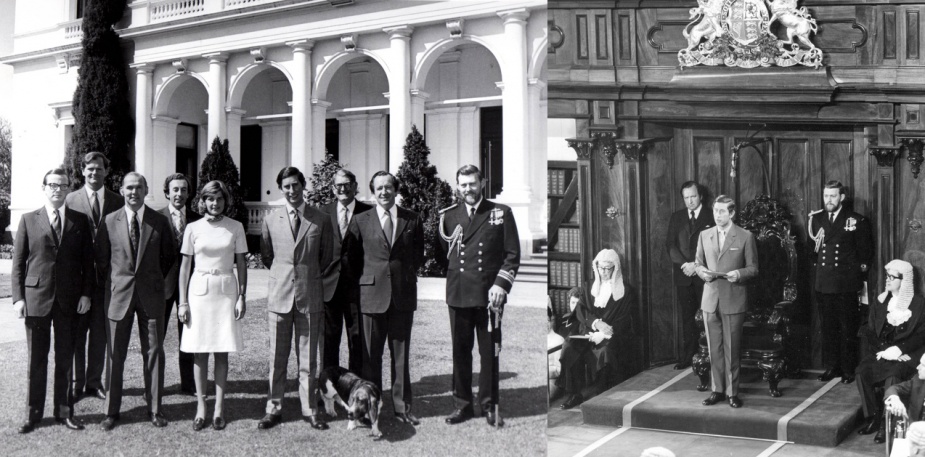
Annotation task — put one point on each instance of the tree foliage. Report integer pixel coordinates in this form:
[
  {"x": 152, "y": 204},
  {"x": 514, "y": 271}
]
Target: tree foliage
[
  {"x": 320, "y": 193},
  {"x": 6, "y": 168},
  {"x": 422, "y": 191},
  {"x": 218, "y": 165},
  {"x": 102, "y": 115}
]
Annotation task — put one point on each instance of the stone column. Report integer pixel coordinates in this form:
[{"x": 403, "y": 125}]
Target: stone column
[
  {"x": 536, "y": 150},
  {"x": 164, "y": 147},
  {"x": 319, "y": 117},
  {"x": 143, "y": 128},
  {"x": 217, "y": 84},
  {"x": 399, "y": 92},
  {"x": 302, "y": 156},
  {"x": 418, "y": 98},
  {"x": 234, "y": 116},
  {"x": 514, "y": 102}
]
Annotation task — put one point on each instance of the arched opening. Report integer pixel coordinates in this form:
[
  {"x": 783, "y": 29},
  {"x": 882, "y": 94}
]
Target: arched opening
[{"x": 180, "y": 125}]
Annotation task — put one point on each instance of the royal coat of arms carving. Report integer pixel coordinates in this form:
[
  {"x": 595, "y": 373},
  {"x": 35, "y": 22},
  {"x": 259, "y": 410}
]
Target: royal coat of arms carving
[{"x": 737, "y": 33}]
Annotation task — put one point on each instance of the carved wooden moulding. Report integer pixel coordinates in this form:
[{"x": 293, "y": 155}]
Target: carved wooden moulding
[{"x": 737, "y": 33}]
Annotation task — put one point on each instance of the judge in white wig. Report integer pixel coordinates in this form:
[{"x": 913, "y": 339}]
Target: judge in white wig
[
  {"x": 895, "y": 334},
  {"x": 607, "y": 320}
]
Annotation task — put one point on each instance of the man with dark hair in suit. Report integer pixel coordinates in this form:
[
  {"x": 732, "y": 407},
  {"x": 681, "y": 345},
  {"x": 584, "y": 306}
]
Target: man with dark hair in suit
[
  {"x": 136, "y": 247},
  {"x": 52, "y": 280},
  {"x": 844, "y": 247},
  {"x": 341, "y": 300},
  {"x": 683, "y": 230},
  {"x": 384, "y": 249},
  {"x": 177, "y": 189},
  {"x": 483, "y": 261},
  {"x": 96, "y": 202},
  {"x": 297, "y": 245}
]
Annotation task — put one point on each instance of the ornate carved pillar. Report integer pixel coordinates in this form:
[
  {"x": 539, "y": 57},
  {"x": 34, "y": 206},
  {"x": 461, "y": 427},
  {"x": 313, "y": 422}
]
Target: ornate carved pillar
[
  {"x": 884, "y": 199},
  {"x": 912, "y": 141},
  {"x": 584, "y": 148}
]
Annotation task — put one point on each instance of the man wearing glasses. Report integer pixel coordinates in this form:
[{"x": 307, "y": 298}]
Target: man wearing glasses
[
  {"x": 844, "y": 247},
  {"x": 341, "y": 300}
]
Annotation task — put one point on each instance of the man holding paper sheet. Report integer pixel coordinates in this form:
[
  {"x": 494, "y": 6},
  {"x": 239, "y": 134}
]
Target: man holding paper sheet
[{"x": 726, "y": 257}]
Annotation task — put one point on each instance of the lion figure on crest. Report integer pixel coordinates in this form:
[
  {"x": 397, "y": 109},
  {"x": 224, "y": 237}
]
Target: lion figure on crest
[
  {"x": 798, "y": 22},
  {"x": 708, "y": 26}
]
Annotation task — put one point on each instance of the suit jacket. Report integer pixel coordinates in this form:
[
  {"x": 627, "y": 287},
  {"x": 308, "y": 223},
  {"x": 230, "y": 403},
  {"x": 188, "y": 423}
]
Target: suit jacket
[
  {"x": 908, "y": 337},
  {"x": 385, "y": 274},
  {"x": 46, "y": 272},
  {"x": 846, "y": 246},
  {"x": 739, "y": 253},
  {"x": 332, "y": 274},
  {"x": 78, "y": 201},
  {"x": 681, "y": 242},
  {"x": 488, "y": 254},
  {"x": 912, "y": 394},
  {"x": 296, "y": 266},
  {"x": 141, "y": 278},
  {"x": 173, "y": 276}
]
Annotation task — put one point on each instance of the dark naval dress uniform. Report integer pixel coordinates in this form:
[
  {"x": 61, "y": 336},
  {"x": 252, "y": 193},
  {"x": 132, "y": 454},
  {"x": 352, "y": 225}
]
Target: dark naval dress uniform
[
  {"x": 485, "y": 252},
  {"x": 846, "y": 246}
]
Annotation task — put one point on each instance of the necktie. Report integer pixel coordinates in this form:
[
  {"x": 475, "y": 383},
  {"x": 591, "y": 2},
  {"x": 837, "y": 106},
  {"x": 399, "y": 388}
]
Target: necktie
[
  {"x": 343, "y": 222},
  {"x": 722, "y": 239},
  {"x": 692, "y": 219},
  {"x": 831, "y": 218},
  {"x": 56, "y": 225},
  {"x": 133, "y": 234},
  {"x": 95, "y": 210},
  {"x": 296, "y": 223},
  {"x": 471, "y": 212},
  {"x": 387, "y": 227},
  {"x": 180, "y": 224}
]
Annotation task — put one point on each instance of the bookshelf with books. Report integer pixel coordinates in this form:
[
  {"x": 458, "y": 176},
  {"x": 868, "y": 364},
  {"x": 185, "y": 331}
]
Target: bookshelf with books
[{"x": 564, "y": 231}]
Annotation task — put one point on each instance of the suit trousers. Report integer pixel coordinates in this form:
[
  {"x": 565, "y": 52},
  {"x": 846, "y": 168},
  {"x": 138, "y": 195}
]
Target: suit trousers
[
  {"x": 395, "y": 327},
  {"x": 151, "y": 336},
  {"x": 343, "y": 310},
  {"x": 90, "y": 356},
  {"x": 186, "y": 359},
  {"x": 689, "y": 302},
  {"x": 38, "y": 339},
  {"x": 840, "y": 323},
  {"x": 308, "y": 329},
  {"x": 724, "y": 337},
  {"x": 466, "y": 323}
]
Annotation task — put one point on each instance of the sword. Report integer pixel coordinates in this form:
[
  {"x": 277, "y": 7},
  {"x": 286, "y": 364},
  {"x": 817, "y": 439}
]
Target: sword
[{"x": 494, "y": 328}]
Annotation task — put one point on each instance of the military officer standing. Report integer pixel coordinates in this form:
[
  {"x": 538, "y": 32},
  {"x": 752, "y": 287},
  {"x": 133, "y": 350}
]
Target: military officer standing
[
  {"x": 483, "y": 250},
  {"x": 844, "y": 247}
]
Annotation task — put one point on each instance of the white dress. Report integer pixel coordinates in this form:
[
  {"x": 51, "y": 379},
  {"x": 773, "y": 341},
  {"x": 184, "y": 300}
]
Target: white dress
[{"x": 213, "y": 286}]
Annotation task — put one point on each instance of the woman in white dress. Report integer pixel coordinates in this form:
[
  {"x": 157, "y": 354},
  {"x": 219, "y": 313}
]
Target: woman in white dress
[{"x": 212, "y": 299}]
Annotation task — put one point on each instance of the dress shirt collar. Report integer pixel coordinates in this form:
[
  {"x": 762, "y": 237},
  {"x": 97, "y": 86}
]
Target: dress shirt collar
[
  {"x": 100, "y": 195},
  {"x": 176, "y": 212},
  {"x": 476, "y": 206},
  {"x": 141, "y": 214},
  {"x": 289, "y": 209},
  {"x": 835, "y": 213},
  {"x": 351, "y": 207},
  {"x": 50, "y": 209},
  {"x": 393, "y": 211},
  {"x": 696, "y": 211}
]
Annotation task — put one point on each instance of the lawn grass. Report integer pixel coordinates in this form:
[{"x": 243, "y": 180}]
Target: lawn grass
[{"x": 523, "y": 402}]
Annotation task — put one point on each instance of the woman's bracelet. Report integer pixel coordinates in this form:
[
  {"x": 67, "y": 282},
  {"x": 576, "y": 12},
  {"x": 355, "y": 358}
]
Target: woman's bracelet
[{"x": 184, "y": 304}]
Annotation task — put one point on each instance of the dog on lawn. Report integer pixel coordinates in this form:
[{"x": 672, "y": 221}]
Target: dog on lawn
[{"x": 364, "y": 400}]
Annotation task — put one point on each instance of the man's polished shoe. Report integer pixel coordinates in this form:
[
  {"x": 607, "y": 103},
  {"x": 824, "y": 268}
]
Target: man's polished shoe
[
  {"x": 847, "y": 379},
  {"x": 714, "y": 398},
  {"x": 95, "y": 393},
  {"x": 830, "y": 374},
  {"x": 682, "y": 365},
  {"x": 407, "y": 418},
  {"x": 109, "y": 422},
  {"x": 870, "y": 426},
  {"x": 218, "y": 423},
  {"x": 199, "y": 423},
  {"x": 490, "y": 418},
  {"x": 460, "y": 415},
  {"x": 158, "y": 419},
  {"x": 316, "y": 422},
  {"x": 572, "y": 401},
  {"x": 735, "y": 402},
  {"x": 27, "y": 426},
  {"x": 70, "y": 423},
  {"x": 880, "y": 437},
  {"x": 269, "y": 421}
]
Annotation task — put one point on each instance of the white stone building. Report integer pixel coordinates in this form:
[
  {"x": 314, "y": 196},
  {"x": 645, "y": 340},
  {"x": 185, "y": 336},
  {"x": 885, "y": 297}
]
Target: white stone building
[{"x": 286, "y": 80}]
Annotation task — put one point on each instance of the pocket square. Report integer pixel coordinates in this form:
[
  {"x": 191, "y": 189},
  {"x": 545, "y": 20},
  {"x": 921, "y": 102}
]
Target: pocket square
[{"x": 733, "y": 249}]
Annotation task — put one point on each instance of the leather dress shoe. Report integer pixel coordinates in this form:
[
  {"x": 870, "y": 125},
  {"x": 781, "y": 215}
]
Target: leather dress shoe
[
  {"x": 490, "y": 418},
  {"x": 870, "y": 425},
  {"x": 218, "y": 423},
  {"x": 269, "y": 421},
  {"x": 70, "y": 423},
  {"x": 27, "y": 426},
  {"x": 880, "y": 437},
  {"x": 847, "y": 379},
  {"x": 572, "y": 401},
  {"x": 316, "y": 422},
  {"x": 95, "y": 393},
  {"x": 158, "y": 419},
  {"x": 407, "y": 418},
  {"x": 109, "y": 422},
  {"x": 682, "y": 365},
  {"x": 714, "y": 398},
  {"x": 735, "y": 402},
  {"x": 199, "y": 423},
  {"x": 830, "y": 374},
  {"x": 460, "y": 415}
]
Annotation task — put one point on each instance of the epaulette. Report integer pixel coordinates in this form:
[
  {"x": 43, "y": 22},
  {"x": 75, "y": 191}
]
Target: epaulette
[{"x": 448, "y": 208}]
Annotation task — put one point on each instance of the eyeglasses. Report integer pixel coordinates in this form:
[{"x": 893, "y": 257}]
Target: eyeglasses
[
  {"x": 55, "y": 186},
  {"x": 890, "y": 277},
  {"x": 343, "y": 186}
]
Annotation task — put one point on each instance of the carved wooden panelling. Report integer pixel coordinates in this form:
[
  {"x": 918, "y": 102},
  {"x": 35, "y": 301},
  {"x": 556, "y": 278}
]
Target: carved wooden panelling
[
  {"x": 626, "y": 38},
  {"x": 601, "y": 36},
  {"x": 841, "y": 35},
  {"x": 889, "y": 34},
  {"x": 836, "y": 163},
  {"x": 709, "y": 163},
  {"x": 910, "y": 242},
  {"x": 663, "y": 316},
  {"x": 581, "y": 29},
  {"x": 754, "y": 176},
  {"x": 912, "y": 35}
]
